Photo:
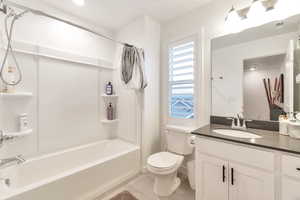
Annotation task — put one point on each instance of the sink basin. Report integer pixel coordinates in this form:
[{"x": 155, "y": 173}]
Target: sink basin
[{"x": 237, "y": 133}]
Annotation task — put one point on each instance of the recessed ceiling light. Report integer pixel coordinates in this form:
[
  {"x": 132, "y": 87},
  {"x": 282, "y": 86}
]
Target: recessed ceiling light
[
  {"x": 252, "y": 69},
  {"x": 79, "y": 2}
]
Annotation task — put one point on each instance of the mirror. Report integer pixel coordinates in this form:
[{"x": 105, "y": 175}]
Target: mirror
[{"x": 256, "y": 72}]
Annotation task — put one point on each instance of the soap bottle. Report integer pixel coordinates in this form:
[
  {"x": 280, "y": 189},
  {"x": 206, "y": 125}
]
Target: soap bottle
[
  {"x": 110, "y": 112},
  {"x": 109, "y": 89},
  {"x": 283, "y": 125}
]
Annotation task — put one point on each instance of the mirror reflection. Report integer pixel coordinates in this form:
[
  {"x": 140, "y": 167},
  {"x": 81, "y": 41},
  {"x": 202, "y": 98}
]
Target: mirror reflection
[{"x": 261, "y": 64}]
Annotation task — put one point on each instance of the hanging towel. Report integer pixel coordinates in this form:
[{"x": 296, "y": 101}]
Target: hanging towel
[{"x": 133, "y": 67}]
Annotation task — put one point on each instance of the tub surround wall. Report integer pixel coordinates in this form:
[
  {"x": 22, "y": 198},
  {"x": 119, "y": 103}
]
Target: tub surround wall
[{"x": 66, "y": 107}]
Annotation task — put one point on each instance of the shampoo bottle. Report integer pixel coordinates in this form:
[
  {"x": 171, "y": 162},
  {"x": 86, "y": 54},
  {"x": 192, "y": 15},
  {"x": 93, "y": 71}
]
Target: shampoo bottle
[{"x": 110, "y": 112}]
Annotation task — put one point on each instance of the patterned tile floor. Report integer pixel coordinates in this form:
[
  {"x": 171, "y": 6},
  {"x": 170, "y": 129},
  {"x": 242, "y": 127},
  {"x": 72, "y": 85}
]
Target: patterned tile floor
[{"x": 141, "y": 188}]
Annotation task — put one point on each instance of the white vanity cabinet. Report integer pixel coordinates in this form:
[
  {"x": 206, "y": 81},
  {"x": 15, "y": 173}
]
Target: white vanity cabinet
[
  {"x": 212, "y": 178},
  {"x": 249, "y": 183},
  {"x": 290, "y": 184},
  {"x": 232, "y": 172}
]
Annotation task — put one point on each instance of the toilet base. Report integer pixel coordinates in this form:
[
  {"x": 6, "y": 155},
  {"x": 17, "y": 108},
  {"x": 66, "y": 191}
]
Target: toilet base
[{"x": 165, "y": 185}]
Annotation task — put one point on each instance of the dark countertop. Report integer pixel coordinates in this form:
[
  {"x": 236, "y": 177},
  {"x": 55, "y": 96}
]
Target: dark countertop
[{"x": 270, "y": 139}]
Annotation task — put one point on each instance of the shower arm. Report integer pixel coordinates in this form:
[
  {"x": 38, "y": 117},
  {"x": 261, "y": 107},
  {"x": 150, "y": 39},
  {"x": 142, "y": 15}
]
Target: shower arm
[{"x": 5, "y": 4}]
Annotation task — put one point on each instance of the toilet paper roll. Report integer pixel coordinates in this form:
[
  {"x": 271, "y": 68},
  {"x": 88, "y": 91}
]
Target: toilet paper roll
[{"x": 192, "y": 141}]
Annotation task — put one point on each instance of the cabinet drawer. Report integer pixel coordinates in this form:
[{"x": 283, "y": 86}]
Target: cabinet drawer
[
  {"x": 291, "y": 166},
  {"x": 249, "y": 156}
]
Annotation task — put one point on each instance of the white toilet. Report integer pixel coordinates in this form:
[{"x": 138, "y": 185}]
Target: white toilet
[{"x": 164, "y": 165}]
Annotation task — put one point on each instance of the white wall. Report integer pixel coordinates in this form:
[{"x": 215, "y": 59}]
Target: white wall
[
  {"x": 207, "y": 22},
  {"x": 66, "y": 107},
  {"x": 142, "y": 108},
  {"x": 227, "y": 94}
]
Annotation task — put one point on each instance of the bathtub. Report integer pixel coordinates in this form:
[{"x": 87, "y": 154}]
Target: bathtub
[{"x": 80, "y": 173}]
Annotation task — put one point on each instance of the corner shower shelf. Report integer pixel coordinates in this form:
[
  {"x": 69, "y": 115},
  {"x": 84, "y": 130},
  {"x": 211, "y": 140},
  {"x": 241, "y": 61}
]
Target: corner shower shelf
[
  {"x": 19, "y": 134},
  {"x": 109, "y": 96},
  {"x": 16, "y": 95},
  {"x": 105, "y": 121}
]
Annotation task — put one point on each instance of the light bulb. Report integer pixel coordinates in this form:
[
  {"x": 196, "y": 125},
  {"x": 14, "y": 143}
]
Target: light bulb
[
  {"x": 256, "y": 14},
  {"x": 233, "y": 21},
  {"x": 79, "y": 2}
]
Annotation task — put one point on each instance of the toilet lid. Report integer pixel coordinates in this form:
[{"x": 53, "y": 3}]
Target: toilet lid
[{"x": 163, "y": 160}]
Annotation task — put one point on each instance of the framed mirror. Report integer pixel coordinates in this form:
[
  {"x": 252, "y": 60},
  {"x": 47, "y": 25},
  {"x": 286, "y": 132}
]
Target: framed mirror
[{"x": 256, "y": 72}]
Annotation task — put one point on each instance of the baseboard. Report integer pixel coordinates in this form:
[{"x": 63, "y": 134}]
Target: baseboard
[{"x": 109, "y": 186}]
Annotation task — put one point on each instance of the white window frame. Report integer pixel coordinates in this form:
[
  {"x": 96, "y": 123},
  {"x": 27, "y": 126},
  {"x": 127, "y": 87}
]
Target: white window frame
[{"x": 181, "y": 121}]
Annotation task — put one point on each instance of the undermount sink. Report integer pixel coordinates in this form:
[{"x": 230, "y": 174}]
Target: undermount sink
[{"x": 237, "y": 133}]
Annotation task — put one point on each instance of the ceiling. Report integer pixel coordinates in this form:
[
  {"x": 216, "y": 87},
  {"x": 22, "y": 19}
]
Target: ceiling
[{"x": 114, "y": 14}]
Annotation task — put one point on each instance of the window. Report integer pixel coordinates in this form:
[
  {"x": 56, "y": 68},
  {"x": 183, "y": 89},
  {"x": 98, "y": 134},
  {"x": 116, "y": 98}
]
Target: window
[{"x": 181, "y": 80}]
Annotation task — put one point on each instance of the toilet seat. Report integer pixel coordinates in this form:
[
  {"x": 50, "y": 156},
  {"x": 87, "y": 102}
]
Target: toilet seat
[{"x": 164, "y": 161}]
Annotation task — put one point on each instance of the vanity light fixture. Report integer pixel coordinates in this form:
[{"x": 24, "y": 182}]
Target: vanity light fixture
[
  {"x": 233, "y": 21},
  {"x": 79, "y": 2},
  {"x": 256, "y": 14},
  {"x": 260, "y": 12}
]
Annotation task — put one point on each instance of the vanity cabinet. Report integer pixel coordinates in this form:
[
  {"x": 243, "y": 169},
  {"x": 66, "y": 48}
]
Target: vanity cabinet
[
  {"x": 231, "y": 172},
  {"x": 212, "y": 178},
  {"x": 247, "y": 183},
  {"x": 290, "y": 178}
]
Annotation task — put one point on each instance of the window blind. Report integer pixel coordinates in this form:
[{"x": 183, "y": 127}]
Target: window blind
[{"x": 181, "y": 80}]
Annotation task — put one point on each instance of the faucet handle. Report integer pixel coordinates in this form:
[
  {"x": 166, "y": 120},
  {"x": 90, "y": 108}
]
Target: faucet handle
[
  {"x": 245, "y": 123},
  {"x": 233, "y": 121}
]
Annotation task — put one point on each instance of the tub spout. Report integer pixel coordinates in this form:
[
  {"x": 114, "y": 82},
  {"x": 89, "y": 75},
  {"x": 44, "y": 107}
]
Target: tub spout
[{"x": 7, "y": 162}]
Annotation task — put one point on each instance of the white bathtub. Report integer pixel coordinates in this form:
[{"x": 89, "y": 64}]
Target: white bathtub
[{"x": 80, "y": 173}]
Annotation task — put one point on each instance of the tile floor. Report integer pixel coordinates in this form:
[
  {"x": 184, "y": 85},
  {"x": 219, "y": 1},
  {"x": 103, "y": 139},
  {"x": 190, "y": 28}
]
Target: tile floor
[{"x": 142, "y": 189}]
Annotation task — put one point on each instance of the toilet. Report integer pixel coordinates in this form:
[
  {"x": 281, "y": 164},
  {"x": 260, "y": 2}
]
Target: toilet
[{"x": 164, "y": 165}]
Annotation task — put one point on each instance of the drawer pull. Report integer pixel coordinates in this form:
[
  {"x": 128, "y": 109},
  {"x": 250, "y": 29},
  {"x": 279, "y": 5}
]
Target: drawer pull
[
  {"x": 224, "y": 171},
  {"x": 298, "y": 169},
  {"x": 232, "y": 176}
]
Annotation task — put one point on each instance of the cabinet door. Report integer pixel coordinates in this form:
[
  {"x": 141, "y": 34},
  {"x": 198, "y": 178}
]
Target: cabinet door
[
  {"x": 290, "y": 189},
  {"x": 211, "y": 178},
  {"x": 247, "y": 183}
]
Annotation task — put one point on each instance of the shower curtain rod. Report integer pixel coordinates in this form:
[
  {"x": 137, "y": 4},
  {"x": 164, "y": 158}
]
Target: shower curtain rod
[{"x": 5, "y": 4}]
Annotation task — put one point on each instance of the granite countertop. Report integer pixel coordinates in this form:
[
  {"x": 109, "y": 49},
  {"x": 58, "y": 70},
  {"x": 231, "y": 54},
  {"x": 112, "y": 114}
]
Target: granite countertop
[{"x": 270, "y": 139}]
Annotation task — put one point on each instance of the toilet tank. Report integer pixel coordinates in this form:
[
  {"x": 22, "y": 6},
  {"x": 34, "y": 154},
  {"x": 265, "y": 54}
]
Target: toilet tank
[{"x": 177, "y": 139}]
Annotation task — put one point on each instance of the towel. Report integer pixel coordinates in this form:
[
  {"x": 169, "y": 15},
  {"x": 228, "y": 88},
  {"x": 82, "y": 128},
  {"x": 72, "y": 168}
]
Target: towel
[{"x": 133, "y": 67}]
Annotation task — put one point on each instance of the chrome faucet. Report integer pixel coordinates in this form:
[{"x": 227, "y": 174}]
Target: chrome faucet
[
  {"x": 239, "y": 125},
  {"x": 7, "y": 162}
]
